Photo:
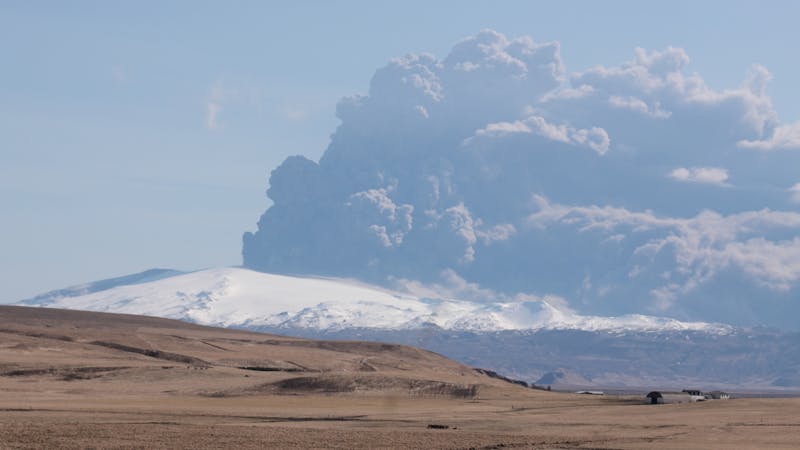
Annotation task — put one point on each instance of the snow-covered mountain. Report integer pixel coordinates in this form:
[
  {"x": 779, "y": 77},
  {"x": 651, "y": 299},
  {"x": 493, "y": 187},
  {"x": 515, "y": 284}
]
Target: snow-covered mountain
[
  {"x": 102, "y": 285},
  {"x": 526, "y": 339},
  {"x": 244, "y": 298}
]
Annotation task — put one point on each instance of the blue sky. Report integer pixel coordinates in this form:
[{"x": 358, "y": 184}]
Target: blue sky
[{"x": 142, "y": 135}]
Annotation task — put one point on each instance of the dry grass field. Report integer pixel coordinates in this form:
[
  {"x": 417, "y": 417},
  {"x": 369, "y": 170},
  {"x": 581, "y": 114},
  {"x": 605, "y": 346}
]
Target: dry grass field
[{"x": 73, "y": 379}]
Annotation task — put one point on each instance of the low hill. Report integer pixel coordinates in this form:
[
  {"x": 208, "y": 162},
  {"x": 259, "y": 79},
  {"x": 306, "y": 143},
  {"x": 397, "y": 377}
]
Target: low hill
[{"x": 121, "y": 353}]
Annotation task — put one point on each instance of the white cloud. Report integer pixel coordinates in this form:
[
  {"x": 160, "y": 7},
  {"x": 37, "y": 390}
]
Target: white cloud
[
  {"x": 218, "y": 94},
  {"x": 783, "y": 137},
  {"x": 700, "y": 247},
  {"x": 654, "y": 83},
  {"x": 497, "y": 233},
  {"x": 450, "y": 285},
  {"x": 522, "y": 58},
  {"x": 501, "y": 129},
  {"x": 383, "y": 236},
  {"x": 212, "y": 111},
  {"x": 295, "y": 114},
  {"x": 795, "y": 193},
  {"x": 594, "y": 138},
  {"x": 388, "y": 221},
  {"x": 704, "y": 175},
  {"x": 638, "y": 105},
  {"x": 773, "y": 264},
  {"x": 568, "y": 93},
  {"x": 237, "y": 97},
  {"x": 460, "y": 222},
  {"x": 648, "y": 72}
]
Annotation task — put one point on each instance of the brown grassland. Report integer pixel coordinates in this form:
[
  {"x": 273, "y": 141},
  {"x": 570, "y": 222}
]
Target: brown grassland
[{"x": 89, "y": 380}]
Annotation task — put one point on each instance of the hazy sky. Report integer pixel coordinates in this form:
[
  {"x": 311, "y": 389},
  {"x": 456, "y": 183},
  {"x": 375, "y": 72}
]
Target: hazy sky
[{"x": 143, "y": 135}]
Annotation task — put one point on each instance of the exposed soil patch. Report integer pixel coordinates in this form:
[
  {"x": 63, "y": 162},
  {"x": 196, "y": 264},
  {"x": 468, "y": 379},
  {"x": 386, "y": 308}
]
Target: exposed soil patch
[
  {"x": 344, "y": 384},
  {"x": 35, "y": 334},
  {"x": 66, "y": 373},
  {"x": 271, "y": 369},
  {"x": 493, "y": 374},
  {"x": 158, "y": 354}
]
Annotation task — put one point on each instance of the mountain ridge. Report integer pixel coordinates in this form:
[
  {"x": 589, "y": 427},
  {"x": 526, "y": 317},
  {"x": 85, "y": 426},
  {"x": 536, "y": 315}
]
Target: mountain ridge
[{"x": 238, "y": 297}]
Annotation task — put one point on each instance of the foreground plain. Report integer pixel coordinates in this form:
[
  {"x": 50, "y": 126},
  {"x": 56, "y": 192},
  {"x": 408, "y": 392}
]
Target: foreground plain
[{"x": 72, "y": 379}]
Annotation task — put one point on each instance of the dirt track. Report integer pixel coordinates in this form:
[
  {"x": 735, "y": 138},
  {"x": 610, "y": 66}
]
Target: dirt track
[{"x": 165, "y": 384}]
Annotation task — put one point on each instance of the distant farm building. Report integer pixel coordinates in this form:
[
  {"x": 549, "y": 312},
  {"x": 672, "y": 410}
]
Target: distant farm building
[
  {"x": 686, "y": 396},
  {"x": 718, "y": 395},
  {"x": 591, "y": 392},
  {"x": 655, "y": 398},
  {"x": 659, "y": 397}
]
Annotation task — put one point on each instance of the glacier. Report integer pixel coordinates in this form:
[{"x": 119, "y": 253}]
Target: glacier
[{"x": 243, "y": 298}]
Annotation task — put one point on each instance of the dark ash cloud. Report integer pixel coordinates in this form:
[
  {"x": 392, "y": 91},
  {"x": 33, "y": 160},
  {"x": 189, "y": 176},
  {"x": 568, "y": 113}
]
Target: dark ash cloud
[{"x": 630, "y": 188}]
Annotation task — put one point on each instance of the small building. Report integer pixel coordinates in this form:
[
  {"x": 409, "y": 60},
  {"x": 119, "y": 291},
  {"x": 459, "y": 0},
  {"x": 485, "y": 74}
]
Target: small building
[
  {"x": 685, "y": 396},
  {"x": 655, "y": 398},
  {"x": 659, "y": 397},
  {"x": 718, "y": 395},
  {"x": 591, "y": 392}
]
